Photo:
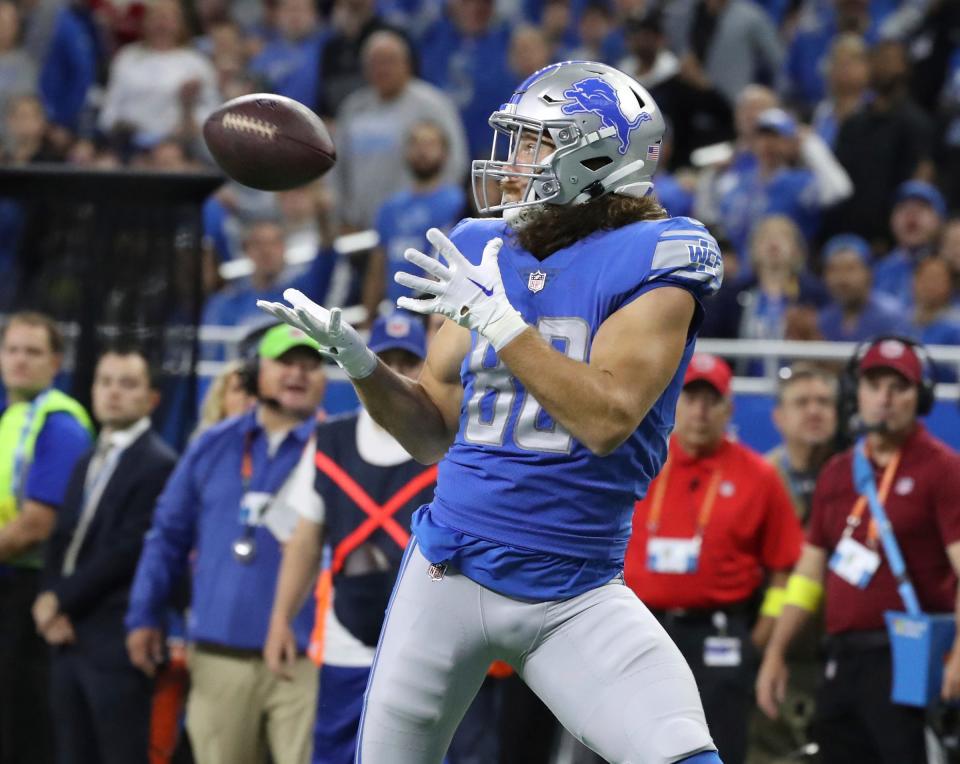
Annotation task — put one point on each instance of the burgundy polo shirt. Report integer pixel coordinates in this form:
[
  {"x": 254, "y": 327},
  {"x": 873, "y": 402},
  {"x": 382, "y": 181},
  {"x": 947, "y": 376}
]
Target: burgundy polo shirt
[{"x": 924, "y": 509}]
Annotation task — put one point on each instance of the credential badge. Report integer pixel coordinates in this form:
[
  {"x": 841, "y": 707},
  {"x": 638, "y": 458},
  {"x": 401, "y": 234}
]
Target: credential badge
[{"x": 536, "y": 281}]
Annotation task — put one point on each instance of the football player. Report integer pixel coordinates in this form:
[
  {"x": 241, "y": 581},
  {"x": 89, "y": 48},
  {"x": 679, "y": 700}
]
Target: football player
[{"x": 549, "y": 394}]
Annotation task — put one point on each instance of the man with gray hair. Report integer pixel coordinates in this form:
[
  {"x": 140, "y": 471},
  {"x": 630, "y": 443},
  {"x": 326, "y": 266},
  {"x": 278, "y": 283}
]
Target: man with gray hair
[{"x": 372, "y": 124}]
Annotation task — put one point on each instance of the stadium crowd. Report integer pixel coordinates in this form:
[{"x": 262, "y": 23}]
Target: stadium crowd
[{"x": 819, "y": 141}]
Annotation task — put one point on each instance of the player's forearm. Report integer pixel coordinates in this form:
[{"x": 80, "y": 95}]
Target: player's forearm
[
  {"x": 298, "y": 570},
  {"x": 405, "y": 410},
  {"x": 586, "y": 400}
]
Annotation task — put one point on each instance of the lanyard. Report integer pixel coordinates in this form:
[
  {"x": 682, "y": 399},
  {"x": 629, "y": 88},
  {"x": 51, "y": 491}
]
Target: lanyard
[
  {"x": 20, "y": 453},
  {"x": 246, "y": 463},
  {"x": 706, "y": 507},
  {"x": 860, "y": 506}
]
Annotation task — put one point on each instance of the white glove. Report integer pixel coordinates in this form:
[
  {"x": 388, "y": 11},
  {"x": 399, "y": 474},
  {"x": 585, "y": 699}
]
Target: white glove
[
  {"x": 337, "y": 339},
  {"x": 471, "y": 295}
]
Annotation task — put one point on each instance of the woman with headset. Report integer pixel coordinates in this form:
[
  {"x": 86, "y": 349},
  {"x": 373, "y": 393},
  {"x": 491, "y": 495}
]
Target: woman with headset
[{"x": 918, "y": 480}]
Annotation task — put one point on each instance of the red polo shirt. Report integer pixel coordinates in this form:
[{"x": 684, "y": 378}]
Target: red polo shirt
[
  {"x": 752, "y": 528},
  {"x": 924, "y": 509}
]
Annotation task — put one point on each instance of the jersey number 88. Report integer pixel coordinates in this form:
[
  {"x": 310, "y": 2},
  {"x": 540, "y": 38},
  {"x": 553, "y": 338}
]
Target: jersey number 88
[{"x": 488, "y": 428}]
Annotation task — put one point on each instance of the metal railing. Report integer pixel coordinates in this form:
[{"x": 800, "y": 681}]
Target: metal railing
[{"x": 774, "y": 354}]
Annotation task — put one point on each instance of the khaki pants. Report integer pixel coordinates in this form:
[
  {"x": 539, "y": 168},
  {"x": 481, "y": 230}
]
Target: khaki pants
[{"x": 237, "y": 709}]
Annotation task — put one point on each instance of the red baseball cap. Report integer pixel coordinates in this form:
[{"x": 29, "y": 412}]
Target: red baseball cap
[
  {"x": 710, "y": 369},
  {"x": 893, "y": 354}
]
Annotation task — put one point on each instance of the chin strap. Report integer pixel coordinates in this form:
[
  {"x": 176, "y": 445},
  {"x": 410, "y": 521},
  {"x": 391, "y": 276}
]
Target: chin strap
[{"x": 609, "y": 183}]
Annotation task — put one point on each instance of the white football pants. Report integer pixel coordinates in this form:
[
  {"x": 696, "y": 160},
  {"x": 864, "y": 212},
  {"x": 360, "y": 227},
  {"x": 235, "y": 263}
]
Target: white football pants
[{"x": 600, "y": 661}]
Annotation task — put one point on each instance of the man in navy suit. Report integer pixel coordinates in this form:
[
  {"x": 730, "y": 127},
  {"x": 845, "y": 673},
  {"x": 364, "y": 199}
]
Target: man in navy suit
[{"x": 100, "y": 702}]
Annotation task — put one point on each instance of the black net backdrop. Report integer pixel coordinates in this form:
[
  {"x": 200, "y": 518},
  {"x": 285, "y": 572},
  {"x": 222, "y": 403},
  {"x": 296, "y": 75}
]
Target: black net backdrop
[{"x": 117, "y": 256}]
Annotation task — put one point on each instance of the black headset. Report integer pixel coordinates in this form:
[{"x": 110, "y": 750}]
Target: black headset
[
  {"x": 249, "y": 352},
  {"x": 847, "y": 398}
]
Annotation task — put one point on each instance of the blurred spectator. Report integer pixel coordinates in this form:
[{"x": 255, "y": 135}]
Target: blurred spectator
[
  {"x": 18, "y": 73},
  {"x": 594, "y": 32},
  {"x": 557, "y": 25},
  {"x": 648, "y": 59},
  {"x": 848, "y": 79},
  {"x": 43, "y": 433},
  {"x": 366, "y": 556},
  {"x": 169, "y": 155},
  {"x": 372, "y": 124},
  {"x": 805, "y": 415},
  {"x": 715, "y": 528},
  {"x": 774, "y": 186},
  {"x": 264, "y": 245},
  {"x": 915, "y": 222},
  {"x": 675, "y": 193},
  {"x": 807, "y": 58},
  {"x": 919, "y": 480},
  {"x": 64, "y": 51},
  {"x": 529, "y": 52},
  {"x": 160, "y": 87},
  {"x": 886, "y": 142},
  {"x": 758, "y": 305},
  {"x": 752, "y": 101},
  {"x": 232, "y": 500},
  {"x": 229, "y": 54},
  {"x": 855, "y": 313},
  {"x": 465, "y": 55},
  {"x": 949, "y": 248},
  {"x": 306, "y": 218},
  {"x": 718, "y": 177},
  {"x": 935, "y": 319},
  {"x": 228, "y": 212},
  {"x": 403, "y": 220},
  {"x": 728, "y": 43},
  {"x": 27, "y": 133},
  {"x": 351, "y": 22},
  {"x": 289, "y": 64},
  {"x": 699, "y": 114},
  {"x": 101, "y": 704},
  {"x": 228, "y": 396}
]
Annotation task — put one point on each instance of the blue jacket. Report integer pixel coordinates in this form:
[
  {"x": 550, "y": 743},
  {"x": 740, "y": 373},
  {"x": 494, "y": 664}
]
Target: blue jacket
[{"x": 199, "y": 510}]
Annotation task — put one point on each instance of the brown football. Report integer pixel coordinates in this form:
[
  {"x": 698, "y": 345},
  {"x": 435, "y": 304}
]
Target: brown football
[{"x": 269, "y": 142}]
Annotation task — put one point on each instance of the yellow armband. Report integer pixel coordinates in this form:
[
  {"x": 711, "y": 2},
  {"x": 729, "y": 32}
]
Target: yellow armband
[
  {"x": 773, "y": 602},
  {"x": 803, "y": 592}
]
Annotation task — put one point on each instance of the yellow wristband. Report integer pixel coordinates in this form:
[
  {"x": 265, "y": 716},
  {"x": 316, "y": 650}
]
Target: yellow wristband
[
  {"x": 773, "y": 602},
  {"x": 803, "y": 592}
]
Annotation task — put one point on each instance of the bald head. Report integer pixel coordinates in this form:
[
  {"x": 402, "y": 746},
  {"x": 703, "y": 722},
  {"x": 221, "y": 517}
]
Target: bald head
[{"x": 386, "y": 63}]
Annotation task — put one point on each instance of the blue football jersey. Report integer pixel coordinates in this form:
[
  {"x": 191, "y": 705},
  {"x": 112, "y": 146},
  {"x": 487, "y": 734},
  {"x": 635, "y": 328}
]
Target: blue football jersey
[{"x": 515, "y": 479}]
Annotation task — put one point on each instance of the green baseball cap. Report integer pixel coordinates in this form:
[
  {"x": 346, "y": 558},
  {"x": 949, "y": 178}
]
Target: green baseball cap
[{"x": 280, "y": 339}]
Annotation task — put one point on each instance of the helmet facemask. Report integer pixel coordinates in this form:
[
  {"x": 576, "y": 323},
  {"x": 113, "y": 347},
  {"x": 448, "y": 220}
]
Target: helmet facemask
[{"x": 538, "y": 178}]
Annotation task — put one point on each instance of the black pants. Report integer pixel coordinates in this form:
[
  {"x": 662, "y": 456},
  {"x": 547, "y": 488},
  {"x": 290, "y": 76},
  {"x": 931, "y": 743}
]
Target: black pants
[
  {"x": 102, "y": 713},
  {"x": 726, "y": 691},
  {"x": 855, "y": 719},
  {"x": 26, "y": 731}
]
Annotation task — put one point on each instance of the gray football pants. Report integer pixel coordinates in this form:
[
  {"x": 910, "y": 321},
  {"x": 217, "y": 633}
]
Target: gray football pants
[{"x": 600, "y": 661}]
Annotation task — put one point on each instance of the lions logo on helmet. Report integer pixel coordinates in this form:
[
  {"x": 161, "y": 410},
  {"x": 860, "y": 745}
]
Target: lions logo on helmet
[
  {"x": 597, "y": 96},
  {"x": 605, "y": 127}
]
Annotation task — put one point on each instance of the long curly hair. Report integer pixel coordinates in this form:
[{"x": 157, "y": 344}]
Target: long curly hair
[{"x": 549, "y": 228}]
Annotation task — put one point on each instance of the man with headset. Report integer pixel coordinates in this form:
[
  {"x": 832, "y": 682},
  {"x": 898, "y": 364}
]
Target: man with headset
[
  {"x": 233, "y": 501},
  {"x": 918, "y": 479}
]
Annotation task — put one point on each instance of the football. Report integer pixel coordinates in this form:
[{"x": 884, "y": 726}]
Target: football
[{"x": 269, "y": 142}]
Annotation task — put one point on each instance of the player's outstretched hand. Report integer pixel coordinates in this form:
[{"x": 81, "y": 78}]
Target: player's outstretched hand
[
  {"x": 471, "y": 295},
  {"x": 337, "y": 339}
]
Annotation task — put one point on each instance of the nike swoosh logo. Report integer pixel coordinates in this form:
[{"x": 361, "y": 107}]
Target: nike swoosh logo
[{"x": 487, "y": 292}]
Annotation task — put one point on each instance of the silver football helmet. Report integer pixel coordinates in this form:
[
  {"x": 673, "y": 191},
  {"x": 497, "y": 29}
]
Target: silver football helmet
[{"x": 605, "y": 126}]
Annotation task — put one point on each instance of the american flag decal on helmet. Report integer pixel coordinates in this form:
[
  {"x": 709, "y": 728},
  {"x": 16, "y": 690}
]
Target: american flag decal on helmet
[{"x": 653, "y": 152}]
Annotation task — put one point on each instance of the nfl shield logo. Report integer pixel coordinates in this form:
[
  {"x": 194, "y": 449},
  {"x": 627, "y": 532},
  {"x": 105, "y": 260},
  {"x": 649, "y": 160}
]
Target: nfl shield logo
[{"x": 536, "y": 281}]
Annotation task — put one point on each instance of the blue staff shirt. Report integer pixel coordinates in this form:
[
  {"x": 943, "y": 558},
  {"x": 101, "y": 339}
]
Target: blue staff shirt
[{"x": 200, "y": 510}]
